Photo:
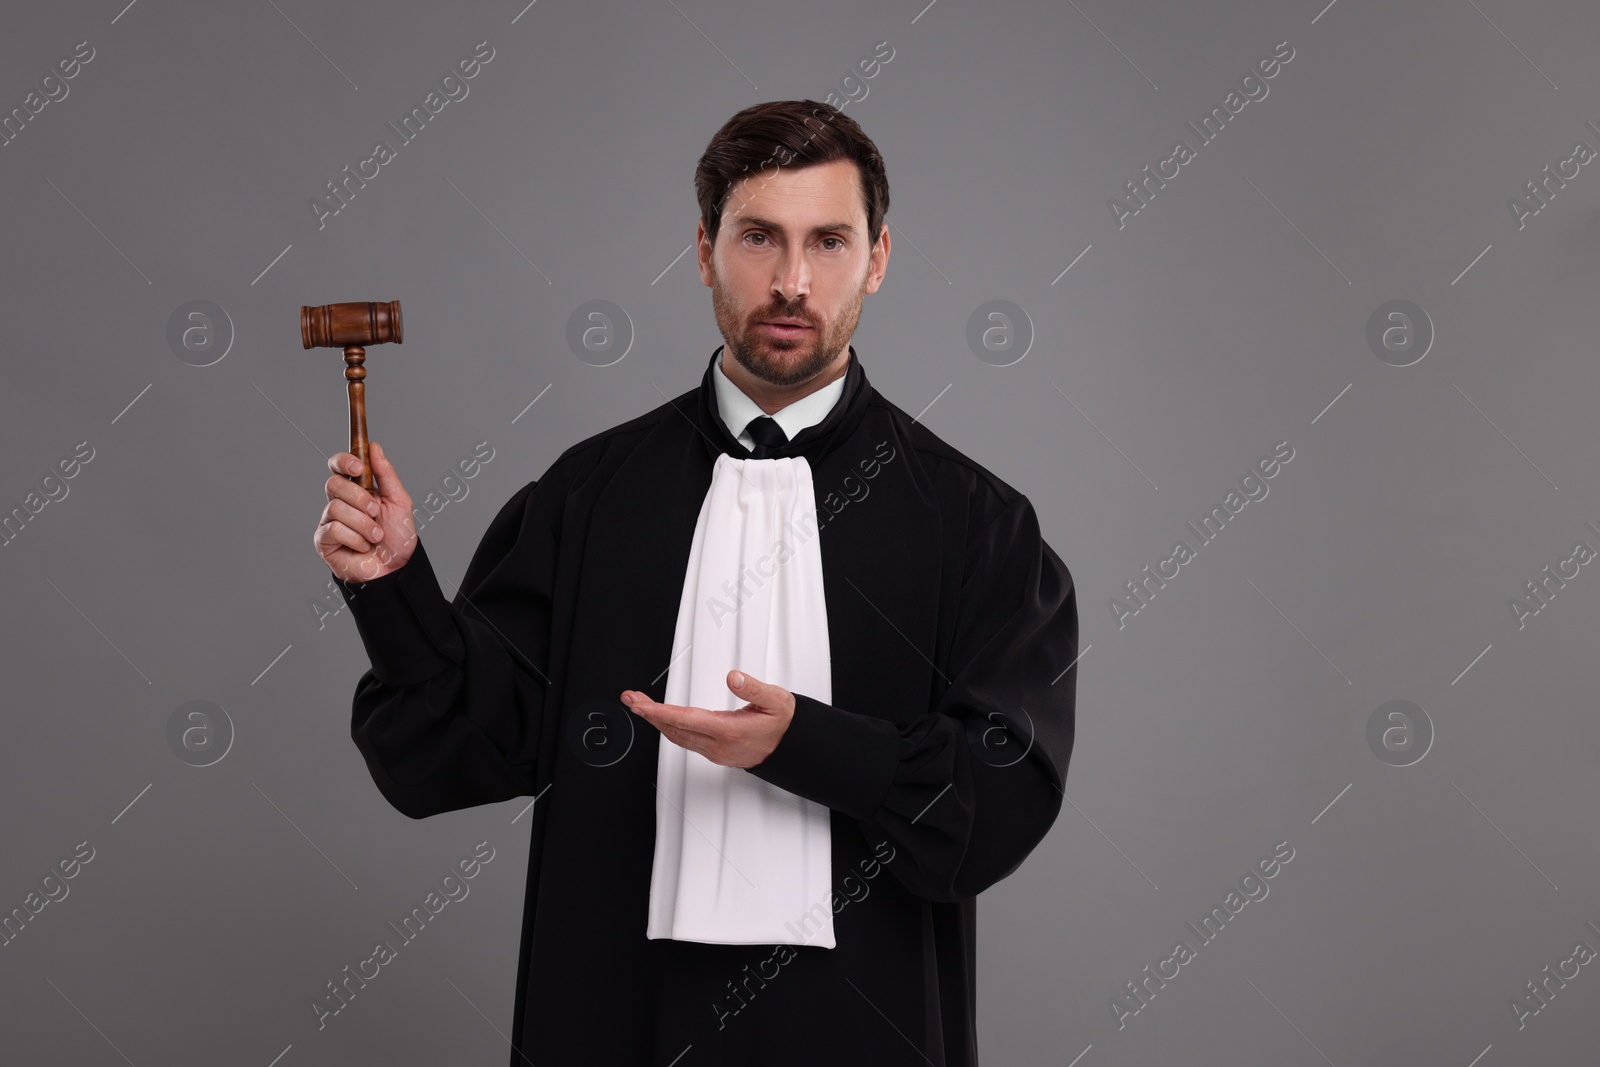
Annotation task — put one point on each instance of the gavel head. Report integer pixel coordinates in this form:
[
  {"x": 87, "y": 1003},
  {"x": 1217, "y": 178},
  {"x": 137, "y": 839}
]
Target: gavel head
[{"x": 357, "y": 322}]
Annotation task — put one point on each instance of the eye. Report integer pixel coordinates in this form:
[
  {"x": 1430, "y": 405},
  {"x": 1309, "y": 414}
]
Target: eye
[
  {"x": 836, "y": 247},
  {"x": 755, "y": 233}
]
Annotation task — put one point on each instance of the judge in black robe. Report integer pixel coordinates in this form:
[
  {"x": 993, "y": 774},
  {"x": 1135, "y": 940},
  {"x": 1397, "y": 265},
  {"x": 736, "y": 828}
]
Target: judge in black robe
[{"x": 942, "y": 755}]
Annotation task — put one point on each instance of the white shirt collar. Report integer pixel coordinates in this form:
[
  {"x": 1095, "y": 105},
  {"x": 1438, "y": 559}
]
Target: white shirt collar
[{"x": 737, "y": 409}]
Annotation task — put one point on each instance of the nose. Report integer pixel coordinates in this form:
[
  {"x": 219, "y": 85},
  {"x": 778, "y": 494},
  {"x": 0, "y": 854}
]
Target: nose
[{"x": 793, "y": 278}]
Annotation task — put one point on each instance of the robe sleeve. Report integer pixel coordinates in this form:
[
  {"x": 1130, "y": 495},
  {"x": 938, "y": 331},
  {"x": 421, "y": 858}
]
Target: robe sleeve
[
  {"x": 968, "y": 790},
  {"x": 448, "y": 715}
]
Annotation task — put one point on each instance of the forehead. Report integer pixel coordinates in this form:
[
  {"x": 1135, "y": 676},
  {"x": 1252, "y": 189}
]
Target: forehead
[{"x": 800, "y": 196}]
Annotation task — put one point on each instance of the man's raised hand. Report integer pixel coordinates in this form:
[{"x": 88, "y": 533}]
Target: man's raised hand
[{"x": 364, "y": 535}]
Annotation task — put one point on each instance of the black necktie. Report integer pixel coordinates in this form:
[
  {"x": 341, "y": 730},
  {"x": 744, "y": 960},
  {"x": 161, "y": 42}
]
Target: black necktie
[{"x": 767, "y": 434}]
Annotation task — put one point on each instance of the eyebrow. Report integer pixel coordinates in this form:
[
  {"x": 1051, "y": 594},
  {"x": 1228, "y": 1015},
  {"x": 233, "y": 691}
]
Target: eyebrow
[{"x": 768, "y": 224}]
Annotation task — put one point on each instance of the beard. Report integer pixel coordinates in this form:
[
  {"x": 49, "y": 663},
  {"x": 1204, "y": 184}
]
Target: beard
[{"x": 782, "y": 361}]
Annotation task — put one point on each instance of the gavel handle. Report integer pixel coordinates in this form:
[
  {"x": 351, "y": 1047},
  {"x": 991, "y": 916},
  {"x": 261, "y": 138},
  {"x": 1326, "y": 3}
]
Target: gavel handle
[{"x": 356, "y": 386}]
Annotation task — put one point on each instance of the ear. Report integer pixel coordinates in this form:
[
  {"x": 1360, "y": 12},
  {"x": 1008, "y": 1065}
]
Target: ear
[
  {"x": 878, "y": 261},
  {"x": 702, "y": 250}
]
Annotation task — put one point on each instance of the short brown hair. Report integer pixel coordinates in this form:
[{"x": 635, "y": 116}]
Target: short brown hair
[{"x": 779, "y": 133}]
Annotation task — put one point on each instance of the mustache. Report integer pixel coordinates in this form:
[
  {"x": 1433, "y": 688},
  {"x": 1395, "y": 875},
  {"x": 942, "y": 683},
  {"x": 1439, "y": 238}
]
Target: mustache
[{"x": 795, "y": 313}]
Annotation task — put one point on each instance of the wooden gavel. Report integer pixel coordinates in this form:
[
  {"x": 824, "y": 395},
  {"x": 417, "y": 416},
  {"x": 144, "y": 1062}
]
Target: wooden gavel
[{"x": 352, "y": 326}]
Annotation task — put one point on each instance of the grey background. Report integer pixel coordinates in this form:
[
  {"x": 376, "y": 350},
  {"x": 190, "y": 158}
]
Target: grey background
[{"x": 1228, "y": 315}]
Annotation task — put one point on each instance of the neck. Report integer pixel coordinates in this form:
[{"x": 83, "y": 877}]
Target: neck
[{"x": 774, "y": 398}]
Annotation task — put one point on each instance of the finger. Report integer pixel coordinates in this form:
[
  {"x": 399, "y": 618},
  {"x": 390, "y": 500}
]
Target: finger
[
  {"x": 344, "y": 463},
  {"x": 688, "y": 721},
  {"x": 747, "y": 687},
  {"x": 342, "y": 488},
  {"x": 339, "y": 511},
  {"x": 332, "y": 534}
]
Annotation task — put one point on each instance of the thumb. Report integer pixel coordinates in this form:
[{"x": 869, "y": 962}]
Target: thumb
[
  {"x": 389, "y": 484},
  {"x": 746, "y": 686}
]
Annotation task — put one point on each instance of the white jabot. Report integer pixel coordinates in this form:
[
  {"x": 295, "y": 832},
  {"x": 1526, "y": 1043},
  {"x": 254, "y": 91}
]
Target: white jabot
[
  {"x": 737, "y": 409},
  {"x": 738, "y": 860}
]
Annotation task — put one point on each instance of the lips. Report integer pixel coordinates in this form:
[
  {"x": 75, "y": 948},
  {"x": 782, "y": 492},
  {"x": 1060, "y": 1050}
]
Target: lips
[{"x": 785, "y": 328}]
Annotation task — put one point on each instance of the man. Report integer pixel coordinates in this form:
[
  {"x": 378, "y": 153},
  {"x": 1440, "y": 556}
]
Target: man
[{"x": 783, "y": 520}]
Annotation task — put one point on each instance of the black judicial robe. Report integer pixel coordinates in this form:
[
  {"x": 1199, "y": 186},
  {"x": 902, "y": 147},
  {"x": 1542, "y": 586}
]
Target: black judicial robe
[{"x": 942, "y": 755}]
